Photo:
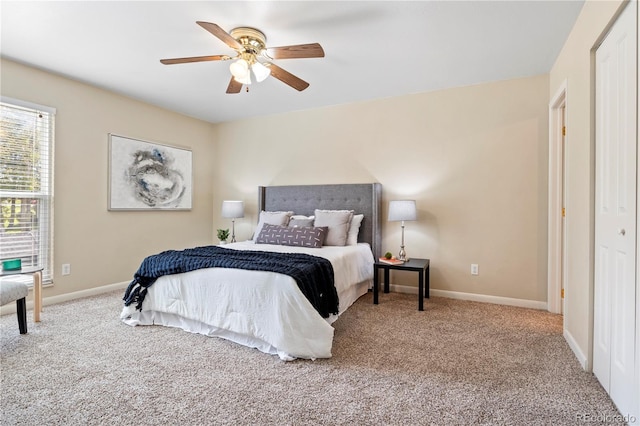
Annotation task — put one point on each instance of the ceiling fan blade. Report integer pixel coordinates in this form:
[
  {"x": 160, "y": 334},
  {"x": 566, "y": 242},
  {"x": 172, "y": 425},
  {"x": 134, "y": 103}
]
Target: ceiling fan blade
[
  {"x": 288, "y": 78},
  {"x": 234, "y": 86},
  {"x": 221, "y": 34},
  {"x": 195, "y": 59},
  {"x": 312, "y": 50}
]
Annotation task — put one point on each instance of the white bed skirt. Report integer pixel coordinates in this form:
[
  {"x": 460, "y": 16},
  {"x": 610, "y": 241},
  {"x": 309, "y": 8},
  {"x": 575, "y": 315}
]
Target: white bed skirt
[
  {"x": 258, "y": 309},
  {"x": 321, "y": 349}
]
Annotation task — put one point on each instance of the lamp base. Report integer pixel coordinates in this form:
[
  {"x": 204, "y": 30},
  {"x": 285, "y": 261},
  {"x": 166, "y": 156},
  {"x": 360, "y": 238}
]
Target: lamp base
[
  {"x": 402, "y": 255},
  {"x": 233, "y": 230}
]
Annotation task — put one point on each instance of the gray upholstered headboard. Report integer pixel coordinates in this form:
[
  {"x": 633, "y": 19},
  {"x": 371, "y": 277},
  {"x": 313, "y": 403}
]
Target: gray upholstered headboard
[{"x": 362, "y": 198}]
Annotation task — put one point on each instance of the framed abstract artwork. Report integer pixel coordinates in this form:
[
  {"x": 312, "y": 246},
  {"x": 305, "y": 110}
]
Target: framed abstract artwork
[{"x": 149, "y": 176}]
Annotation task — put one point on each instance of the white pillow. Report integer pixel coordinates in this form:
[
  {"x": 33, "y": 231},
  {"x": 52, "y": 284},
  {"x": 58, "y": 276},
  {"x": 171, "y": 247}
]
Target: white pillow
[
  {"x": 354, "y": 228},
  {"x": 297, "y": 223},
  {"x": 299, "y": 220},
  {"x": 338, "y": 222},
  {"x": 301, "y": 216},
  {"x": 272, "y": 218}
]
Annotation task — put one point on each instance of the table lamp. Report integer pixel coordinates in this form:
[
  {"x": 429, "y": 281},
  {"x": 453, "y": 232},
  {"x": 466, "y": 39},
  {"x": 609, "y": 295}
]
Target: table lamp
[
  {"x": 233, "y": 210},
  {"x": 402, "y": 210}
]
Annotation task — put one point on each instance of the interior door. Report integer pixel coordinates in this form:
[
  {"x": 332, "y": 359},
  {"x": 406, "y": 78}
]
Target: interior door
[{"x": 615, "y": 212}]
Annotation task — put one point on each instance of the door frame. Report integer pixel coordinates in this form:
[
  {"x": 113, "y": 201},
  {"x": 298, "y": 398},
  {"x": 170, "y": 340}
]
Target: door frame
[{"x": 556, "y": 261}]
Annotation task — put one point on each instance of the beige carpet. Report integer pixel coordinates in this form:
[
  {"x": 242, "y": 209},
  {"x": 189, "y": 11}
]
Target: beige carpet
[{"x": 456, "y": 363}]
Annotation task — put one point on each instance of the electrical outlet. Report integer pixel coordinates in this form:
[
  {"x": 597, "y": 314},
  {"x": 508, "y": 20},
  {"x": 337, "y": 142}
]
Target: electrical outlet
[
  {"x": 474, "y": 269},
  {"x": 66, "y": 269}
]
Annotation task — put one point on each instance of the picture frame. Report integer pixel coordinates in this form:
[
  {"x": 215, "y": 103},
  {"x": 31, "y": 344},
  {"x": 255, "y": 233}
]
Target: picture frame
[{"x": 146, "y": 175}]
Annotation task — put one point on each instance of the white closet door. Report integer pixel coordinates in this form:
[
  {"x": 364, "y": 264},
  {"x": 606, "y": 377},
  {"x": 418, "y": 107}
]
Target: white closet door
[{"x": 615, "y": 212}]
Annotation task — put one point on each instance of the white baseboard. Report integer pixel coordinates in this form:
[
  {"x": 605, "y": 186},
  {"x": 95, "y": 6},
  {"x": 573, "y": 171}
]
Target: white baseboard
[
  {"x": 582, "y": 359},
  {"x": 10, "y": 308},
  {"x": 522, "y": 303}
]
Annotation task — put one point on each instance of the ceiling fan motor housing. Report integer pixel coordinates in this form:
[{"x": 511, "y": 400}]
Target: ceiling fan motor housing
[{"x": 252, "y": 40}]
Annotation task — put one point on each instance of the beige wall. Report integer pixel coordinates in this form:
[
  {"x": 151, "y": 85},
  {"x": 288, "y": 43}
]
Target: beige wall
[
  {"x": 474, "y": 158},
  {"x": 107, "y": 247},
  {"x": 574, "y": 65}
]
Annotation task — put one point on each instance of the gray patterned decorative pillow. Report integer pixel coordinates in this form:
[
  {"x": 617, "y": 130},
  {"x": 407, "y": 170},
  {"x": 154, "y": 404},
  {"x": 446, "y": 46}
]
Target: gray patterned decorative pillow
[
  {"x": 302, "y": 236},
  {"x": 272, "y": 218}
]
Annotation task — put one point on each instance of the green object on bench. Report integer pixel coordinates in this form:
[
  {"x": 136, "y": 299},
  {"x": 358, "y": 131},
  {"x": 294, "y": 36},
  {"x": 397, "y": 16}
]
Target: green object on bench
[{"x": 12, "y": 264}]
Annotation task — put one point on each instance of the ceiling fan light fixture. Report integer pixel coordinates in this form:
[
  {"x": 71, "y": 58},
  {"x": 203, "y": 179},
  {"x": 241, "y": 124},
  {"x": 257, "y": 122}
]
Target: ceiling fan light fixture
[
  {"x": 239, "y": 69},
  {"x": 246, "y": 79},
  {"x": 260, "y": 71},
  {"x": 250, "y": 46}
]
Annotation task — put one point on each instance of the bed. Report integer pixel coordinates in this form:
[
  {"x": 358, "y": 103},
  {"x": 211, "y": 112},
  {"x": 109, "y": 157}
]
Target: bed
[{"x": 263, "y": 309}]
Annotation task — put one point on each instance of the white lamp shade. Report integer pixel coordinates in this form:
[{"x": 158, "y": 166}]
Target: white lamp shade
[
  {"x": 260, "y": 71},
  {"x": 239, "y": 68},
  {"x": 240, "y": 71},
  {"x": 402, "y": 210},
  {"x": 244, "y": 80},
  {"x": 232, "y": 209}
]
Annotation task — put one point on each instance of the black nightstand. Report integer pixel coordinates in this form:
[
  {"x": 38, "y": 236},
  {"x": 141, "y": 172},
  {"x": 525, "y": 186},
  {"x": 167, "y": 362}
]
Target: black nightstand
[{"x": 421, "y": 266}]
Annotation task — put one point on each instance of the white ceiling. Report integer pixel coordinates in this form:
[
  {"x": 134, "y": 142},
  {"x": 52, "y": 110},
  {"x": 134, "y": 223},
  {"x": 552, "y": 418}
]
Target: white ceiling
[{"x": 373, "y": 49}]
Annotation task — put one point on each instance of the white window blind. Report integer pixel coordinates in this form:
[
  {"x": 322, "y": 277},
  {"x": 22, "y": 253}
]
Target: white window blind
[{"x": 26, "y": 187}]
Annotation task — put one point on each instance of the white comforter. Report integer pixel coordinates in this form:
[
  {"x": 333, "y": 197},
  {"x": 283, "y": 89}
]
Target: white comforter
[{"x": 265, "y": 310}]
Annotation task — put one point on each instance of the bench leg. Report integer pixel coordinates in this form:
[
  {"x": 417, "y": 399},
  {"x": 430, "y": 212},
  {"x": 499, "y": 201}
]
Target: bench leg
[
  {"x": 21, "y": 307},
  {"x": 37, "y": 295}
]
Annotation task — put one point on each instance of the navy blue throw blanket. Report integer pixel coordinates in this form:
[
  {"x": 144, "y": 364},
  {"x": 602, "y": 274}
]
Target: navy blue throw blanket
[{"x": 313, "y": 274}]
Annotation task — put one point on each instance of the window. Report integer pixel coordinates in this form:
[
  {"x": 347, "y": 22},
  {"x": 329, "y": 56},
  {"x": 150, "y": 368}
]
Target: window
[{"x": 26, "y": 188}]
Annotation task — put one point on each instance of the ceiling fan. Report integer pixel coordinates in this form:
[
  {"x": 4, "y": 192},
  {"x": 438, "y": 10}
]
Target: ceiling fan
[{"x": 254, "y": 57}]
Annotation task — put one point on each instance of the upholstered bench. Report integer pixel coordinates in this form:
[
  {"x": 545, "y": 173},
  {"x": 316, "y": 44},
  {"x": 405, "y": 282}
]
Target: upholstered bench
[{"x": 10, "y": 291}]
